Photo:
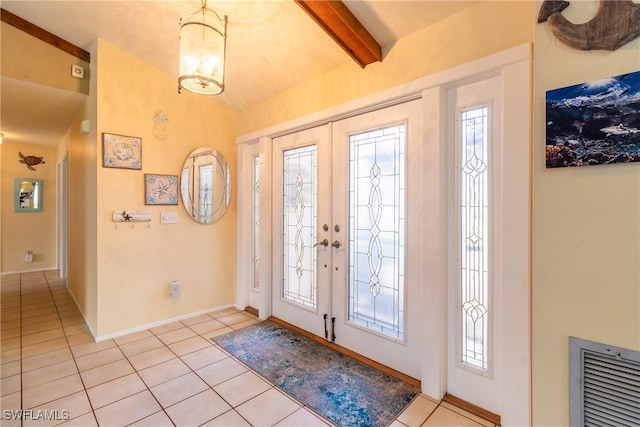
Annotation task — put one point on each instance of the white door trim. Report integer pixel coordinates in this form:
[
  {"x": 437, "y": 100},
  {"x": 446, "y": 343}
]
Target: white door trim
[
  {"x": 397, "y": 94},
  {"x": 245, "y": 226},
  {"x": 514, "y": 65},
  {"x": 514, "y": 297},
  {"x": 61, "y": 221}
]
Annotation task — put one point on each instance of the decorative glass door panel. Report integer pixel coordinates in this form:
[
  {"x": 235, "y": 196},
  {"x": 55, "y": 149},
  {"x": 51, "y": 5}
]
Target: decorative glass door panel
[
  {"x": 376, "y": 230},
  {"x": 255, "y": 283},
  {"x": 474, "y": 234},
  {"x": 299, "y": 226},
  {"x": 205, "y": 184}
]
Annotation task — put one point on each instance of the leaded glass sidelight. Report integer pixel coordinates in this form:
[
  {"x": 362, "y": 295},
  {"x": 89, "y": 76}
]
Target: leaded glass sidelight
[
  {"x": 205, "y": 196},
  {"x": 473, "y": 205},
  {"x": 256, "y": 223},
  {"x": 376, "y": 230},
  {"x": 299, "y": 226}
]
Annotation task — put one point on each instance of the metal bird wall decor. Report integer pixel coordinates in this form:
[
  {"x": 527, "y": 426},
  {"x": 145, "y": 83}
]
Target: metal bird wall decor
[{"x": 616, "y": 23}]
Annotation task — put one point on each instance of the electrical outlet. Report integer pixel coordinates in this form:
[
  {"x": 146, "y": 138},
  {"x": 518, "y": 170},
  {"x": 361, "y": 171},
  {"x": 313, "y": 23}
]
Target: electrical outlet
[{"x": 174, "y": 289}]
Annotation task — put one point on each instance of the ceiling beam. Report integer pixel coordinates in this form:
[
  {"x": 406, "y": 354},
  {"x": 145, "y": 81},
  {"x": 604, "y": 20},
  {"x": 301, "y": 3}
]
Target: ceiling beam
[
  {"x": 343, "y": 27},
  {"x": 44, "y": 35}
]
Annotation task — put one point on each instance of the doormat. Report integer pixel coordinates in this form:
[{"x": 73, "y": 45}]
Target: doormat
[{"x": 341, "y": 389}]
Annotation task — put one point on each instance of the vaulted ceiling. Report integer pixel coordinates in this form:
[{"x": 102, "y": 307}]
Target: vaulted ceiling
[{"x": 272, "y": 45}]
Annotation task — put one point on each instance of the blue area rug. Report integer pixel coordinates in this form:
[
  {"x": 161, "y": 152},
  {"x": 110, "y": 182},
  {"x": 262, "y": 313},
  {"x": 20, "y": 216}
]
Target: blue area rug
[{"x": 341, "y": 389}]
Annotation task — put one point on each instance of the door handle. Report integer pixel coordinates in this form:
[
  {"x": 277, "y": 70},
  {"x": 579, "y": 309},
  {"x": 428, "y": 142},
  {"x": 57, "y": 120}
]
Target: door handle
[
  {"x": 336, "y": 244},
  {"x": 324, "y": 243},
  {"x": 326, "y": 332}
]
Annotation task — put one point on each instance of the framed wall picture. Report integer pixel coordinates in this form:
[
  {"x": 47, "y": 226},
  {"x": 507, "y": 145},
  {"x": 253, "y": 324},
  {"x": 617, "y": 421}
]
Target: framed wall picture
[
  {"x": 28, "y": 195},
  {"x": 594, "y": 123},
  {"x": 160, "y": 189},
  {"x": 123, "y": 152}
]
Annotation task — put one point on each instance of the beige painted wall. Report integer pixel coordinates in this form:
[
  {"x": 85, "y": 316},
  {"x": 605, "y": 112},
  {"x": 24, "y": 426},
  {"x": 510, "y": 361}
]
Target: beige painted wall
[
  {"x": 136, "y": 263},
  {"x": 81, "y": 211},
  {"x": 18, "y": 65},
  {"x": 454, "y": 41},
  {"x": 33, "y": 231},
  {"x": 586, "y": 227}
]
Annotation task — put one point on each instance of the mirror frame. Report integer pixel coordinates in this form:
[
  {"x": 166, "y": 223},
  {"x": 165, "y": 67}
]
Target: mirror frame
[
  {"x": 221, "y": 191},
  {"x": 39, "y": 194}
]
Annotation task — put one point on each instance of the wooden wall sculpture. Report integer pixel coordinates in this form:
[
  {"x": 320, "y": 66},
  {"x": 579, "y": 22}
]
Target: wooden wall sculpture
[{"x": 616, "y": 24}]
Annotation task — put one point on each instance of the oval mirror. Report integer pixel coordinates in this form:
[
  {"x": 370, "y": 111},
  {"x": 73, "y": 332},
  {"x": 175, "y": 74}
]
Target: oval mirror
[{"x": 205, "y": 186}]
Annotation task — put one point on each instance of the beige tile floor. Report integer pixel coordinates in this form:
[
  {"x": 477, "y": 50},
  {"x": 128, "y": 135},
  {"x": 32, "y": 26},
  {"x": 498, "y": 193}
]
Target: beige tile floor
[{"x": 173, "y": 374}]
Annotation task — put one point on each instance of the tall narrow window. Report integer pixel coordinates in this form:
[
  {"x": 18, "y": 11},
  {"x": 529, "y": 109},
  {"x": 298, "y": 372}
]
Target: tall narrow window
[
  {"x": 205, "y": 199},
  {"x": 256, "y": 223},
  {"x": 299, "y": 222},
  {"x": 473, "y": 208},
  {"x": 376, "y": 230}
]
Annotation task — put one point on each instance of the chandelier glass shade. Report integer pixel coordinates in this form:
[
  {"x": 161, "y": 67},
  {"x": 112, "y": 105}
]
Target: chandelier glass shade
[{"x": 203, "y": 38}]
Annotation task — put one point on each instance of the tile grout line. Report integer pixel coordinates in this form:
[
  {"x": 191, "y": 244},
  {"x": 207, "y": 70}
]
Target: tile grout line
[
  {"x": 302, "y": 404},
  {"x": 66, "y": 338},
  {"x": 119, "y": 346},
  {"x": 53, "y": 293},
  {"x": 143, "y": 382},
  {"x": 195, "y": 373}
]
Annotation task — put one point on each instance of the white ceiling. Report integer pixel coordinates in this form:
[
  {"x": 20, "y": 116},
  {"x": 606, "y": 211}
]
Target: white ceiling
[{"x": 272, "y": 45}]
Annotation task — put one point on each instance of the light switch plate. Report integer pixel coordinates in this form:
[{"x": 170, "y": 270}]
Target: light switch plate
[{"x": 168, "y": 217}]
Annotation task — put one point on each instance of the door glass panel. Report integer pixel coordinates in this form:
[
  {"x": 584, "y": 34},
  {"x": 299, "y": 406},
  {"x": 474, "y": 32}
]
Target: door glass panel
[
  {"x": 299, "y": 226},
  {"x": 376, "y": 230},
  {"x": 474, "y": 232},
  {"x": 256, "y": 223},
  {"x": 205, "y": 180}
]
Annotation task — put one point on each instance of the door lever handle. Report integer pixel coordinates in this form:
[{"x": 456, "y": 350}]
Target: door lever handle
[
  {"x": 336, "y": 244},
  {"x": 324, "y": 243}
]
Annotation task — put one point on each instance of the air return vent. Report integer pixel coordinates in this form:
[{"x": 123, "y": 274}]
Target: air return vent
[{"x": 604, "y": 384}]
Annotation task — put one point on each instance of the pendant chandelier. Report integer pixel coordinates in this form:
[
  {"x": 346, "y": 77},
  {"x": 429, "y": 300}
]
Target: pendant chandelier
[{"x": 203, "y": 38}]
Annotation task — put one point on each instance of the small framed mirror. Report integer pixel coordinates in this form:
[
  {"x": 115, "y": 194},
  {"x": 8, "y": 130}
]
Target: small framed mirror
[
  {"x": 205, "y": 185},
  {"x": 28, "y": 195}
]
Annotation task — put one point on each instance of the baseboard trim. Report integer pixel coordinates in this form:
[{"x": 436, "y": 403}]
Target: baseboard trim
[
  {"x": 370, "y": 362},
  {"x": 251, "y": 310},
  {"x": 161, "y": 323},
  {"x": 35, "y": 270},
  {"x": 470, "y": 407}
]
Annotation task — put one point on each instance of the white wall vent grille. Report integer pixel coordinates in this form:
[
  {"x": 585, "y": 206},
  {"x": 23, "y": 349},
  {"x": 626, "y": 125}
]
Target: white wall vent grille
[{"x": 604, "y": 384}]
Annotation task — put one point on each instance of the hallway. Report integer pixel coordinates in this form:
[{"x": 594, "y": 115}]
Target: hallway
[{"x": 56, "y": 374}]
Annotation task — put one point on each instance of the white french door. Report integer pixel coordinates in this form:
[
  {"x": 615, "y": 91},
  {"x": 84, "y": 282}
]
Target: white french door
[
  {"x": 301, "y": 293},
  {"x": 347, "y": 233},
  {"x": 466, "y": 313}
]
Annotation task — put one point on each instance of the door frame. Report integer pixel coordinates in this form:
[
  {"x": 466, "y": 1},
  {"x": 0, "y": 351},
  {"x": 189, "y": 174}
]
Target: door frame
[
  {"x": 514, "y": 66},
  {"x": 62, "y": 173}
]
